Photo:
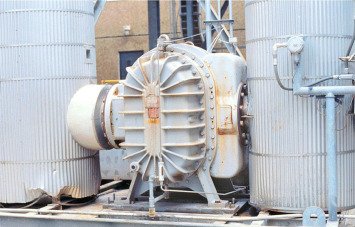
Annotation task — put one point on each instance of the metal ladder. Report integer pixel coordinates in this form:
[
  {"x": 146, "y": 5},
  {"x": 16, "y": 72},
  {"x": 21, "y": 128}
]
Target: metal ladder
[{"x": 190, "y": 22}]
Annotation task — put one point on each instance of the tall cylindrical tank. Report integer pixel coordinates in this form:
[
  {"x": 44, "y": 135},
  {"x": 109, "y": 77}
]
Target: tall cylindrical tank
[
  {"x": 288, "y": 155},
  {"x": 47, "y": 52}
]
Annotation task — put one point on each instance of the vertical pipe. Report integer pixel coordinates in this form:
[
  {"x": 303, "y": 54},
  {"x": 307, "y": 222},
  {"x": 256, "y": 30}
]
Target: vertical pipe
[
  {"x": 208, "y": 25},
  {"x": 219, "y": 9},
  {"x": 189, "y": 19},
  {"x": 151, "y": 197},
  {"x": 173, "y": 23},
  {"x": 99, "y": 6},
  {"x": 230, "y": 18},
  {"x": 298, "y": 67},
  {"x": 331, "y": 156},
  {"x": 153, "y": 22}
]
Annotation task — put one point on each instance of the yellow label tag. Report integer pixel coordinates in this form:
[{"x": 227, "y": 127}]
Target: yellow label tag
[{"x": 153, "y": 120}]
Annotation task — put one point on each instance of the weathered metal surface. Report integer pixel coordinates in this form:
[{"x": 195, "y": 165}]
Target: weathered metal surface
[
  {"x": 47, "y": 52},
  {"x": 178, "y": 121},
  {"x": 229, "y": 81},
  {"x": 96, "y": 214},
  {"x": 287, "y": 161},
  {"x": 112, "y": 167},
  {"x": 88, "y": 221},
  {"x": 177, "y": 207},
  {"x": 165, "y": 95}
]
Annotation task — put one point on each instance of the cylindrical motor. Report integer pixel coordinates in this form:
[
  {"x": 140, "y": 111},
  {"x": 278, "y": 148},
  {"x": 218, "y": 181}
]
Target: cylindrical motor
[
  {"x": 89, "y": 117},
  {"x": 288, "y": 157}
]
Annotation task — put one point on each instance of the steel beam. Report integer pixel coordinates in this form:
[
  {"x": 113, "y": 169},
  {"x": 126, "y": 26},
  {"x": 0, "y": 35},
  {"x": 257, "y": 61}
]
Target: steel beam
[
  {"x": 153, "y": 22},
  {"x": 224, "y": 31},
  {"x": 189, "y": 18}
]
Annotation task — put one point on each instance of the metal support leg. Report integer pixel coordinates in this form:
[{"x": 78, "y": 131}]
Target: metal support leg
[
  {"x": 137, "y": 187},
  {"x": 331, "y": 156},
  {"x": 208, "y": 186}
]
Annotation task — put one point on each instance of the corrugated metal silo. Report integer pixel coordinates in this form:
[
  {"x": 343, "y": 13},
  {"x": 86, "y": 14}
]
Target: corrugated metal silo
[
  {"x": 288, "y": 157},
  {"x": 47, "y": 52}
]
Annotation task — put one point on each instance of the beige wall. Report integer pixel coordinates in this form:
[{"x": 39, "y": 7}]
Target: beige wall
[{"x": 110, "y": 38}]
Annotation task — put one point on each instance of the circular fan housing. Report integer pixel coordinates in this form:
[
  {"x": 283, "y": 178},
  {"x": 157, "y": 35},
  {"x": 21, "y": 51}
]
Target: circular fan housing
[{"x": 164, "y": 116}]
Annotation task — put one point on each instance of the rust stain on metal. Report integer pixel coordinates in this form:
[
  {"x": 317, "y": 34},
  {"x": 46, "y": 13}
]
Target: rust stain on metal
[{"x": 225, "y": 124}]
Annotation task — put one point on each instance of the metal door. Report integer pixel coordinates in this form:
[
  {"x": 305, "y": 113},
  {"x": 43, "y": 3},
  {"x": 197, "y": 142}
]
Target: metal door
[{"x": 127, "y": 59}]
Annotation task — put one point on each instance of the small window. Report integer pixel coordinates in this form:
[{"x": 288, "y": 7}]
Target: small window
[{"x": 88, "y": 54}]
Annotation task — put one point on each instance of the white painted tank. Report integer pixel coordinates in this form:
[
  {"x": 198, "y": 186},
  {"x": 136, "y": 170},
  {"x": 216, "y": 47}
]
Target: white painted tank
[
  {"x": 47, "y": 52},
  {"x": 288, "y": 156}
]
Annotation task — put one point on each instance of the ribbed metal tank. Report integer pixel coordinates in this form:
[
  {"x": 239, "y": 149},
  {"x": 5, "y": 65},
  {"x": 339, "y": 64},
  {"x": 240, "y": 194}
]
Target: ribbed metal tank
[
  {"x": 47, "y": 52},
  {"x": 288, "y": 155}
]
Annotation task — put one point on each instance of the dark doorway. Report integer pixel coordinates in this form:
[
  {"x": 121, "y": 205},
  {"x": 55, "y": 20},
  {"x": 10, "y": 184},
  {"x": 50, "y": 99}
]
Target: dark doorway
[{"x": 127, "y": 59}]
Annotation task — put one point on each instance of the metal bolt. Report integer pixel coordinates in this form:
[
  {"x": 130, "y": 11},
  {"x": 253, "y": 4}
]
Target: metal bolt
[
  {"x": 212, "y": 96},
  {"x": 183, "y": 61},
  {"x": 212, "y": 106},
  {"x": 212, "y": 126},
  {"x": 212, "y": 117},
  {"x": 207, "y": 75},
  {"x": 241, "y": 123},
  {"x": 202, "y": 117},
  {"x": 204, "y": 168},
  {"x": 193, "y": 57},
  {"x": 209, "y": 158},
  {"x": 211, "y": 86},
  {"x": 212, "y": 136},
  {"x": 212, "y": 147}
]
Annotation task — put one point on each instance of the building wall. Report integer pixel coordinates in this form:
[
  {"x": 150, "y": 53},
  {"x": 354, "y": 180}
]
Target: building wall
[{"x": 110, "y": 38}]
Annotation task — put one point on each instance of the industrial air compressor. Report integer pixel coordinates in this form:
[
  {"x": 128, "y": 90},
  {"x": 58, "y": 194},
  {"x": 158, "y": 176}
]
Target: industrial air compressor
[{"x": 178, "y": 115}]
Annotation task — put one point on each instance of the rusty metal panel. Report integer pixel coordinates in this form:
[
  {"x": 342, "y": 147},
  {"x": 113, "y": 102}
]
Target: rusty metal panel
[
  {"x": 287, "y": 161},
  {"x": 229, "y": 159},
  {"x": 47, "y": 52}
]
